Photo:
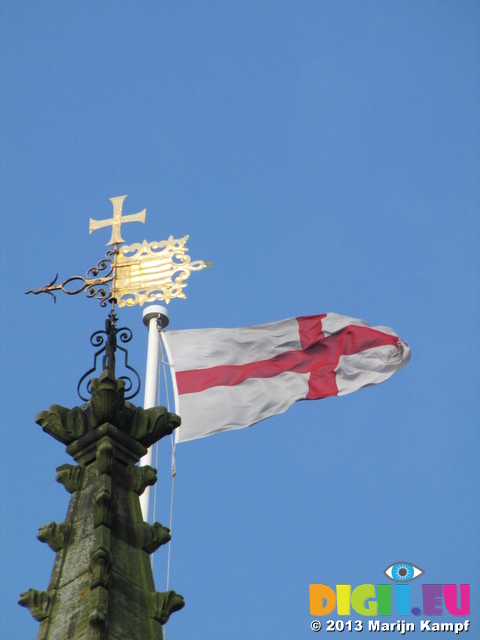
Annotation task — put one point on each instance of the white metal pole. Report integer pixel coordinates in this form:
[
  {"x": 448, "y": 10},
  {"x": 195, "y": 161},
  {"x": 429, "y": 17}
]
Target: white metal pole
[{"x": 155, "y": 317}]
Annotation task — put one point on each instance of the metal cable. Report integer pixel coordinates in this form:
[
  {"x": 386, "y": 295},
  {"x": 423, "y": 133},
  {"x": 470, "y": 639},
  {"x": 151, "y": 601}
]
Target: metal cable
[{"x": 174, "y": 473}]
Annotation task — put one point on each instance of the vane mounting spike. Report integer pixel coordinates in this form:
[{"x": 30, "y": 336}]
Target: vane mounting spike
[{"x": 108, "y": 342}]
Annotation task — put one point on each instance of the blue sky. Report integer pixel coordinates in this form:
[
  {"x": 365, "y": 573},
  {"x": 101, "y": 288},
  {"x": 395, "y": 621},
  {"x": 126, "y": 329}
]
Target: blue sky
[{"x": 325, "y": 156}]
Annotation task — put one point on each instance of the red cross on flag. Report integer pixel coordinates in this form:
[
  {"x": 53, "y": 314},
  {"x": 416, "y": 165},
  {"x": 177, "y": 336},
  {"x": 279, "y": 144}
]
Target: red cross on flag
[{"x": 232, "y": 378}]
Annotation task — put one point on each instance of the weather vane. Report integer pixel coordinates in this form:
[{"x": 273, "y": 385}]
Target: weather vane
[
  {"x": 135, "y": 274},
  {"x": 128, "y": 275}
]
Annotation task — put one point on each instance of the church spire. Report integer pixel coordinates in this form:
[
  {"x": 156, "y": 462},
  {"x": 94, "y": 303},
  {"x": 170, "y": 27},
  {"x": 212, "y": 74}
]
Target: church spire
[{"x": 102, "y": 586}]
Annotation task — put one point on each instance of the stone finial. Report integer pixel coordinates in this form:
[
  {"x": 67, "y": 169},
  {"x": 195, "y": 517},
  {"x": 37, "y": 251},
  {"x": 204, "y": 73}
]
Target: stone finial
[
  {"x": 142, "y": 477},
  {"x": 102, "y": 505},
  {"x": 66, "y": 425},
  {"x": 37, "y": 602},
  {"x": 98, "y": 618},
  {"x": 55, "y": 535},
  {"x": 98, "y": 621},
  {"x": 100, "y": 568},
  {"x": 151, "y": 536},
  {"x": 70, "y": 476},
  {"x": 108, "y": 406},
  {"x": 108, "y": 400},
  {"x": 149, "y": 425},
  {"x": 99, "y": 624},
  {"x": 105, "y": 457},
  {"x": 162, "y": 605}
]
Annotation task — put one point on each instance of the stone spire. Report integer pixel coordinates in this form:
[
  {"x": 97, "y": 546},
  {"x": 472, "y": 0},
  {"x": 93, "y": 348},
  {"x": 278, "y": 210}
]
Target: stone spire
[{"x": 101, "y": 586}]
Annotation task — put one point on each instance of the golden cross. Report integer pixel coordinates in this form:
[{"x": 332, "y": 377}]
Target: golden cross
[{"x": 116, "y": 221}]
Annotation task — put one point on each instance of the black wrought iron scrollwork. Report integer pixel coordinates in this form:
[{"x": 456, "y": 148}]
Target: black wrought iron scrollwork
[
  {"x": 94, "y": 285},
  {"x": 102, "y": 265},
  {"x": 107, "y": 340}
]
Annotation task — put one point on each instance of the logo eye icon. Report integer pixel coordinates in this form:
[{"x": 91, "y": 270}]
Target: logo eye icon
[{"x": 403, "y": 572}]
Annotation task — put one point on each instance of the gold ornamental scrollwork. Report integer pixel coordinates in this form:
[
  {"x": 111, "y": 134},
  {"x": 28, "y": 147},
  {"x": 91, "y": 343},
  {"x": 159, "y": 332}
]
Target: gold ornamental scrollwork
[{"x": 150, "y": 271}]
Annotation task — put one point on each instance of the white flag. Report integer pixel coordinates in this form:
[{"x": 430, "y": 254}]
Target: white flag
[{"x": 232, "y": 378}]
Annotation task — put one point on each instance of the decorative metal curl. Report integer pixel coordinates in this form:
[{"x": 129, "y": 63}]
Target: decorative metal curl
[
  {"x": 93, "y": 285},
  {"x": 102, "y": 265},
  {"x": 108, "y": 342}
]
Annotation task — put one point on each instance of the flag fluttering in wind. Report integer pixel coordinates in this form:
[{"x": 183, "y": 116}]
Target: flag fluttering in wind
[{"x": 232, "y": 378}]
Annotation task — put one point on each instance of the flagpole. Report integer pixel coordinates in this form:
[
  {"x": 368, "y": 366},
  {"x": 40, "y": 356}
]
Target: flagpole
[{"x": 155, "y": 317}]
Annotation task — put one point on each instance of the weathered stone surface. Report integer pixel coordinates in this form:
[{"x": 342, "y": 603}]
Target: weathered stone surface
[
  {"x": 137, "y": 561},
  {"x": 70, "y": 566},
  {"x": 68, "y": 619},
  {"x": 132, "y": 603}
]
